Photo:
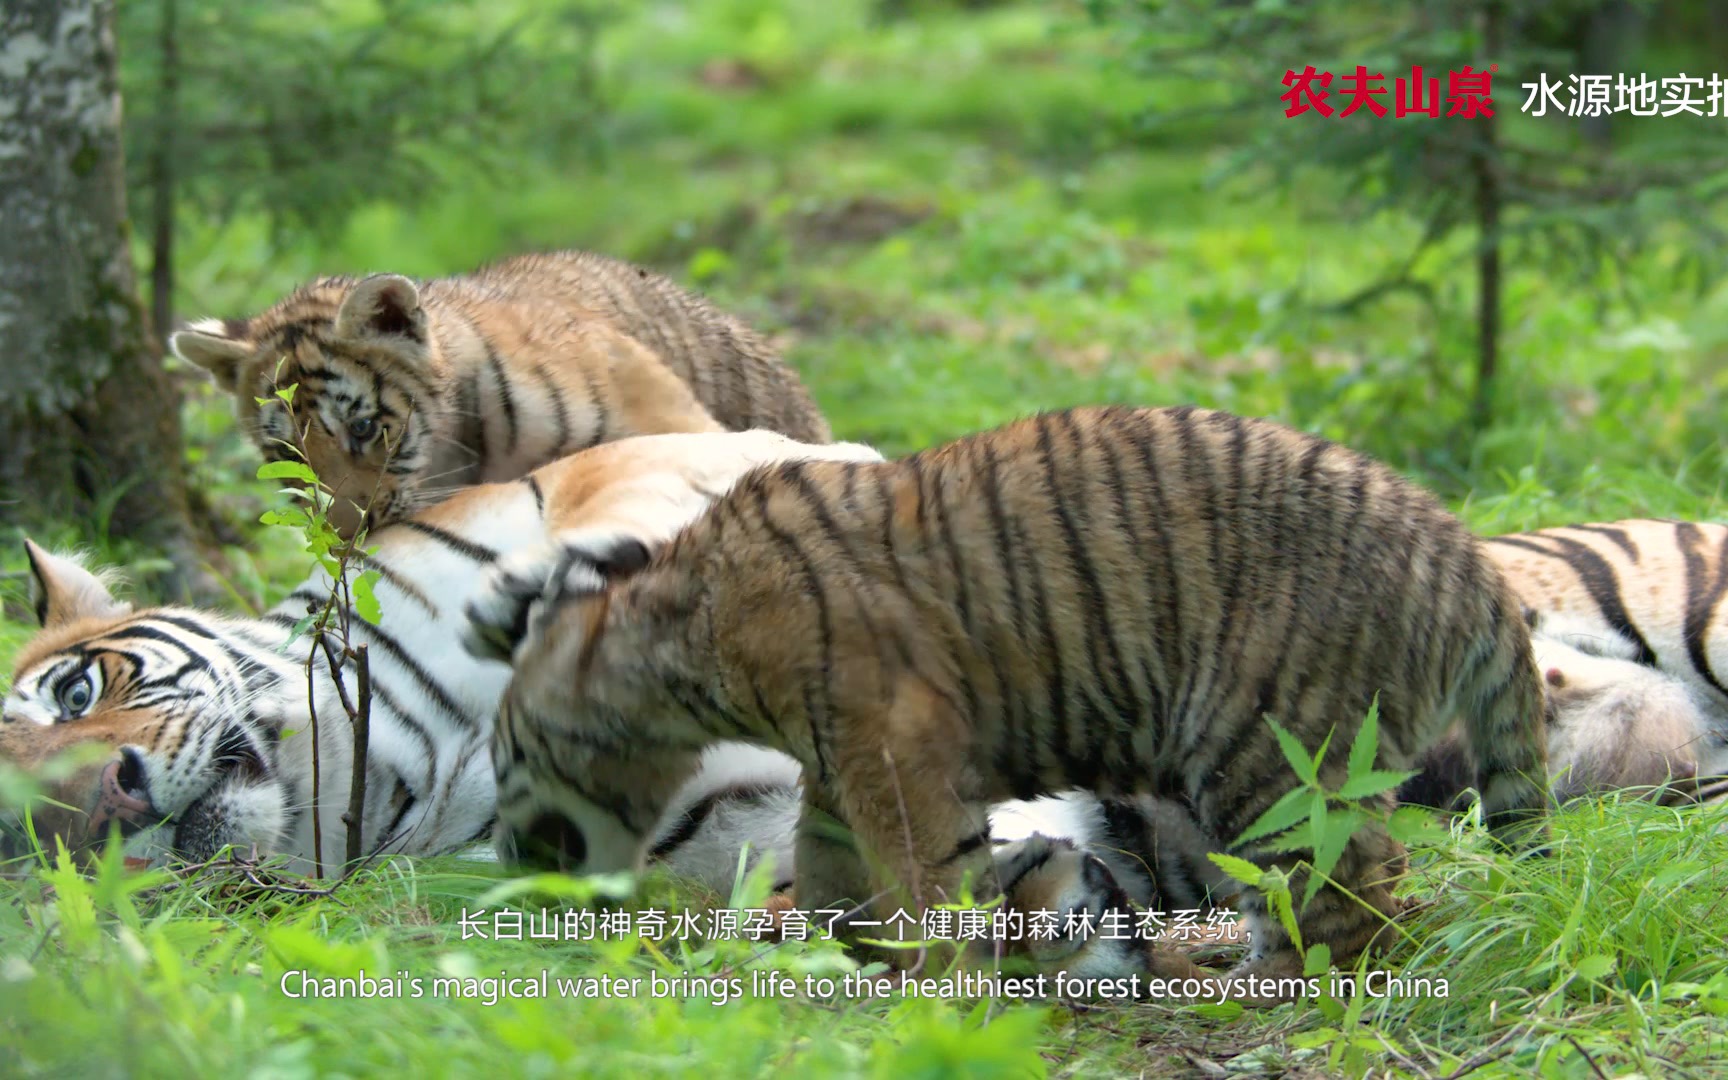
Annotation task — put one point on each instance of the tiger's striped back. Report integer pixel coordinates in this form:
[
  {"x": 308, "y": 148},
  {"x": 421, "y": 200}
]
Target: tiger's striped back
[
  {"x": 733, "y": 371},
  {"x": 1190, "y": 569}
]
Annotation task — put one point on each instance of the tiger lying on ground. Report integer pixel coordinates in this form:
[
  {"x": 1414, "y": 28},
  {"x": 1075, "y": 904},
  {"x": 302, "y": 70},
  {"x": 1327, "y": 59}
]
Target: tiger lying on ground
[
  {"x": 1629, "y": 631},
  {"x": 192, "y": 707},
  {"x": 1105, "y": 599},
  {"x": 407, "y": 390}
]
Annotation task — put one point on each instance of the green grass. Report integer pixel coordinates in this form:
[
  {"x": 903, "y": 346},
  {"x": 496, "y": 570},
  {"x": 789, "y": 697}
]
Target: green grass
[
  {"x": 944, "y": 223},
  {"x": 1611, "y": 951}
]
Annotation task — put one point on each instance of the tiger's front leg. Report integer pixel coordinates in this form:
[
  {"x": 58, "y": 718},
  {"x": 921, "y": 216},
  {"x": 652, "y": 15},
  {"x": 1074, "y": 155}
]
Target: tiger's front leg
[
  {"x": 899, "y": 777},
  {"x": 829, "y": 871}
]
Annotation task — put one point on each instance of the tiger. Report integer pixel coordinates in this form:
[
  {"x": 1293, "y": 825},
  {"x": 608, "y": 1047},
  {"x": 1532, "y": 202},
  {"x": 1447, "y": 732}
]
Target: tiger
[
  {"x": 1619, "y": 726},
  {"x": 1625, "y": 621},
  {"x": 404, "y": 390},
  {"x": 196, "y": 725},
  {"x": 1107, "y": 599}
]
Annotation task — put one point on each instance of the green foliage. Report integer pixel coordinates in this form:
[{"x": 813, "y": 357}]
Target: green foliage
[
  {"x": 1332, "y": 816},
  {"x": 1531, "y": 193},
  {"x": 307, "y": 110},
  {"x": 349, "y": 594}
]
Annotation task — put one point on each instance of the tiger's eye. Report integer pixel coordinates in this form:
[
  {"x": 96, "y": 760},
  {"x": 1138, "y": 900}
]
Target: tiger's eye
[
  {"x": 363, "y": 427},
  {"x": 75, "y": 694}
]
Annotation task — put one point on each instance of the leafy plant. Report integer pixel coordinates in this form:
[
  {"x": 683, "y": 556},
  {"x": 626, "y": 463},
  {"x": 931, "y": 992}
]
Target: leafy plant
[
  {"x": 330, "y": 625},
  {"x": 1311, "y": 817}
]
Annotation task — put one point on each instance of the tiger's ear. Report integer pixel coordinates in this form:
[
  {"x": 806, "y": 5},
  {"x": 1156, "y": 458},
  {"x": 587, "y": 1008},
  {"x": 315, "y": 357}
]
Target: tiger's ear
[
  {"x": 63, "y": 591},
  {"x": 383, "y": 305},
  {"x": 216, "y": 346}
]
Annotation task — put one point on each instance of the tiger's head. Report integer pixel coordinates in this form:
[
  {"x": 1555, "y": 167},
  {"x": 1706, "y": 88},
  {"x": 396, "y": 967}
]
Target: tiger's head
[
  {"x": 366, "y": 372},
  {"x": 156, "y": 723},
  {"x": 593, "y": 739}
]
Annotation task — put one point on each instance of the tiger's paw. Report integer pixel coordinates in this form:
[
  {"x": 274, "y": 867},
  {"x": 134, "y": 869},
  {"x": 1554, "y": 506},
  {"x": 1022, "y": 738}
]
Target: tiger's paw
[{"x": 578, "y": 563}]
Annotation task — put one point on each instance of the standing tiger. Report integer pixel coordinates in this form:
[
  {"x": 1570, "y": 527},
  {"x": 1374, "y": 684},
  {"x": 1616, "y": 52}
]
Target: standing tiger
[
  {"x": 406, "y": 390},
  {"x": 202, "y": 731},
  {"x": 1108, "y": 599}
]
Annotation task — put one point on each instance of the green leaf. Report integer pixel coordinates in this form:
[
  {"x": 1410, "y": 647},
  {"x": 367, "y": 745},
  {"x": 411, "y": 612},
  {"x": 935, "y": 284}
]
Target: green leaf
[
  {"x": 291, "y": 516},
  {"x": 1367, "y": 745},
  {"x": 1594, "y": 966},
  {"x": 1320, "y": 754},
  {"x": 286, "y": 393},
  {"x": 279, "y": 470},
  {"x": 1283, "y": 814},
  {"x": 1353, "y": 1014},
  {"x": 1411, "y": 824},
  {"x": 1327, "y": 852},
  {"x": 1295, "y": 841},
  {"x": 1373, "y": 782},
  {"x": 1279, "y": 900},
  {"x": 582, "y": 890},
  {"x": 979, "y": 1014},
  {"x": 1318, "y": 959},
  {"x": 1295, "y": 753},
  {"x": 1317, "y": 819},
  {"x": 302, "y": 626},
  {"x": 1312, "y": 1040},
  {"x": 1240, "y": 869},
  {"x": 365, "y": 600},
  {"x": 1218, "y": 1010}
]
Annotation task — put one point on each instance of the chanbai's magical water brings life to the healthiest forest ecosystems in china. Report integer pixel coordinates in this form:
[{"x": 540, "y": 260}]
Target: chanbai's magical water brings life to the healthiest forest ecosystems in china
[{"x": 722, "y": 989}]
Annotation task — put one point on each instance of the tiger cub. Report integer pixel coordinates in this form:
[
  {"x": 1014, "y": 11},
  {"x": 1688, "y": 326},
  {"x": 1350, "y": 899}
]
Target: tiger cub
[
  {"x": 407, "y": 390},
  {"x": 1108, "y": 599}
]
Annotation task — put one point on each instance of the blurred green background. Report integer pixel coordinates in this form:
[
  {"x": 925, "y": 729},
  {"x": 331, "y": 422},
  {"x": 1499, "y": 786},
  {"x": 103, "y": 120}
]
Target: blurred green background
[{"x": 951, "y": 214}]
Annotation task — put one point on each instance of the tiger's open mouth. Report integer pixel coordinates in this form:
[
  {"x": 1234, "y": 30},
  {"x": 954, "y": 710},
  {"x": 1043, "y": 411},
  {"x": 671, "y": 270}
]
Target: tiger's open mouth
[{"x": 242, "y": 804}]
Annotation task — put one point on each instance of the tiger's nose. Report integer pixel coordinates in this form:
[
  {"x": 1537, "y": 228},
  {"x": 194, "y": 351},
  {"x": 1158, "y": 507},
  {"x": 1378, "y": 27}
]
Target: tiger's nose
[{"x": 122, "y": 796}]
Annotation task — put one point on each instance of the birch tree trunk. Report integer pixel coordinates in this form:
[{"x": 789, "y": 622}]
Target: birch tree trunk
[{"x": 89, "y": 421}]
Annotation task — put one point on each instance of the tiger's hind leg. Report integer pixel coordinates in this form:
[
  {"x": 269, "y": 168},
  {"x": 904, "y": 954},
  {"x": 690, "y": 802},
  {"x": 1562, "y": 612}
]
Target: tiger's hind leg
[{"x": 831, "y": 875}]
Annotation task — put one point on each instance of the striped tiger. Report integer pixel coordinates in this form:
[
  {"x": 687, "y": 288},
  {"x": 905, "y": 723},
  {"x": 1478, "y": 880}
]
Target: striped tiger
[
  {"x": 1107, "y": 599},
  {"x": 1627, "y": 621},
  {"x": 193, "y": 714},
  {"x": 193, "y": 706},
  {"x": 406, "y": 390}
]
